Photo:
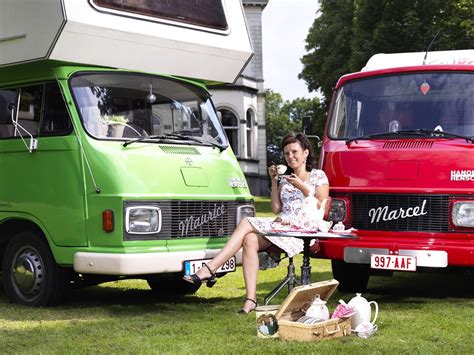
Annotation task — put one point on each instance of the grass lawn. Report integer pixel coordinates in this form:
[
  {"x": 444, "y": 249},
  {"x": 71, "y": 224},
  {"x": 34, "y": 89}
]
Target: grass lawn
[{"x": 418, "y": 314}]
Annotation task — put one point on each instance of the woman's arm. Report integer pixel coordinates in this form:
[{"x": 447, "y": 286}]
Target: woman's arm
[
  {"x": 275, "y": 194},
  {"x": 322, "y": 193}
]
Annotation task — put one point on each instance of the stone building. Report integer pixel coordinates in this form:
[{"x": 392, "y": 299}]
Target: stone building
[{"x": 242, "y": 105}]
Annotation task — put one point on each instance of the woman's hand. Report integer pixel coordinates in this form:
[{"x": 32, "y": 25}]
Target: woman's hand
[
  {"x": 298, "y": 183},
  {"x": 273, "y": 172}
]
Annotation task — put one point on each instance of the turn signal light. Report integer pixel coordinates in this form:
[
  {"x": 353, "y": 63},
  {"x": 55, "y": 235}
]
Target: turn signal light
[{"x": 108, "y": 221}]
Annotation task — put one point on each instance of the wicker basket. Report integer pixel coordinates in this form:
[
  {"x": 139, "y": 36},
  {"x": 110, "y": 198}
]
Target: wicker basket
[{"x": 294, "y": 307}]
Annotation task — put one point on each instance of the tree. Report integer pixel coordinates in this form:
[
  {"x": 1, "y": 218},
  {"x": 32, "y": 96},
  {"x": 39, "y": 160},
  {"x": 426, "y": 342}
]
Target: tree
[
  {"x": 329, "y": 46},
  {"x": 285, "y": 117},
  {"x": 348, "y": 32}
]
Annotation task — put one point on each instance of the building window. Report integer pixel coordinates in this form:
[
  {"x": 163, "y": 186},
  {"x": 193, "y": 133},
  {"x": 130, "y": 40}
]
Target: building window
[
  {"x": 250, "y": 132},
  {"x": 231, "y": 127}
]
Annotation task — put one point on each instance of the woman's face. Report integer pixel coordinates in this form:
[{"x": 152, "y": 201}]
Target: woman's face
[{"x": 295, "y": 155}]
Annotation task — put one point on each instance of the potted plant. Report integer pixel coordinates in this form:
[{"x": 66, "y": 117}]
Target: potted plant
[{"x": 116, "y": 122}]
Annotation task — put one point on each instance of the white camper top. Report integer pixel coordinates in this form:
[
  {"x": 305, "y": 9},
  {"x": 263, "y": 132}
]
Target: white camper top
[
  {"x": 101, "y": 32},
  {"x": 396, "y": 60}
]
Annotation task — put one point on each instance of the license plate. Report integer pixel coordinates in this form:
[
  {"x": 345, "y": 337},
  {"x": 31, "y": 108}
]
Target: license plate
[
  {"x": 393, "y": 262},
  {"x": 192, "y": 266}
]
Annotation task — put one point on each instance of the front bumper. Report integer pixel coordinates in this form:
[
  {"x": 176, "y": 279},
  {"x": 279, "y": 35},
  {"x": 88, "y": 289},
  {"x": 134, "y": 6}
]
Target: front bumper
[
  {"x": 430, "y": 249},
  {"x": 139, "y": 263}
]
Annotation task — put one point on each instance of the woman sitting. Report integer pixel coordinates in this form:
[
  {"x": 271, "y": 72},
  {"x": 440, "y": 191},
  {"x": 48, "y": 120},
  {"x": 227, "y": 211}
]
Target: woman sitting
[{"x": 287, "y": 200}]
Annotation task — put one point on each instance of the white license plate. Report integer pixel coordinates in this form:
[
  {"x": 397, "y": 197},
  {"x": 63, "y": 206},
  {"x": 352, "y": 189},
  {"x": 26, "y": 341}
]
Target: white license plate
[
  {"x": 192, "y": 266},
  {"x": 393, "y": 262}
]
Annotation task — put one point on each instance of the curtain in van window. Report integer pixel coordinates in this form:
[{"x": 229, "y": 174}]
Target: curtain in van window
[
  {"x": 90, "y": 112},
  {"x": 6, "y": 127}
]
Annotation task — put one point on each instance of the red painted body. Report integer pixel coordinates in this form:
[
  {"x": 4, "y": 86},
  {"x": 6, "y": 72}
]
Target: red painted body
[{"x": 421, "y": 166}]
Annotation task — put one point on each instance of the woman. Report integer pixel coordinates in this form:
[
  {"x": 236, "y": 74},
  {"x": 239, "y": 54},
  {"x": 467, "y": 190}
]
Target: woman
[{"x": 286, "y": 200}]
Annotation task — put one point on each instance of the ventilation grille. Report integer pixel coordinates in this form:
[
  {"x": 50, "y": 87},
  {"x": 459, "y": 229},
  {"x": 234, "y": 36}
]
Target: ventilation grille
[
  {"x": 170, "y": 149},
  {"x": 408, "y": 144},
  {"x": 191, "y": 219},
  {"x": 427, "y": 213}
]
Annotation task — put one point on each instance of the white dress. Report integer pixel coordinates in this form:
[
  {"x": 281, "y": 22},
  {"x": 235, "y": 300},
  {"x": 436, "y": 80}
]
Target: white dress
[{"x": 292, "y": 201}]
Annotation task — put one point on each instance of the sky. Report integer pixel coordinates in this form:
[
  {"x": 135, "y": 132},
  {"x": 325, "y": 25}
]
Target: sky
[{"x": 285, "y": 25}]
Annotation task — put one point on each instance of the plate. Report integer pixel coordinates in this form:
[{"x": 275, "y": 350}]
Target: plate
[
  {"x": 192, "y": 266},
  {"x": 393, "y": 262}
]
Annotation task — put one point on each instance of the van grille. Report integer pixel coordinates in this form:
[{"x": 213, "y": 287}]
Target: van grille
[
  {"x": 427, "y": 213},
  {"x": 191, "y": 219},
  {"x": 171, "y": 149}
]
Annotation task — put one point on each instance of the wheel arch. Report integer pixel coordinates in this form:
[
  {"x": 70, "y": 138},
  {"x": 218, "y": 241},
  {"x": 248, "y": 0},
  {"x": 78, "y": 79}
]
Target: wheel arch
[{"x": 11, "y": 226}]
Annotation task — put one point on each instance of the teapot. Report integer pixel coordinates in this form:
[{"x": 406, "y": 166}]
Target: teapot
[
  {"x": 311, "y": 217},
  {"x": 318, "y": 309},
  {"x": 363, "y": 310}
]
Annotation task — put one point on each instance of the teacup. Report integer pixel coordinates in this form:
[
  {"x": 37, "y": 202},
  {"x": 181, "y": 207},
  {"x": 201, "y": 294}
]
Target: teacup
[{"x": 281, "y": 169}]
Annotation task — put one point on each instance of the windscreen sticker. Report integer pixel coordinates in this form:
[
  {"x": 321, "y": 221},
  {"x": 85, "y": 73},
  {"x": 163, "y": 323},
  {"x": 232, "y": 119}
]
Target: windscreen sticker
[
  {"x": 462, "y": 175},
  {"x": 425, "y": 87}
]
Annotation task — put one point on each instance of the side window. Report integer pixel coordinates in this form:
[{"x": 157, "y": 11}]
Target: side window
[
  {"x": 29, "y": 112},
  {"x": 7, "y": 97},
  {"x": 56, "y": 119}
]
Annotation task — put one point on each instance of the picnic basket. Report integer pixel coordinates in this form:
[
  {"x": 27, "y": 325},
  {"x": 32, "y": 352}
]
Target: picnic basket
[{"x": 294, "y": 307}]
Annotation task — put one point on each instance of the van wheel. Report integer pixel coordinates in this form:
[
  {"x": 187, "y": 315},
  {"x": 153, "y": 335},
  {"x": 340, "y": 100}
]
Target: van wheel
[
  {"x": 351, "y": 277},
  {"x": 171, "y": 284},
  {"x": 30, "y": 275}
]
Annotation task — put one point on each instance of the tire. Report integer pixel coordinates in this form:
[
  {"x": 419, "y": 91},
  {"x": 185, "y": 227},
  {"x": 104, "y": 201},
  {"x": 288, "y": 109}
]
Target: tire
[
  {"x": 351, "y": 277},
  {"x": 172, "y": 284},
  {"x": 31, "y": 276}
]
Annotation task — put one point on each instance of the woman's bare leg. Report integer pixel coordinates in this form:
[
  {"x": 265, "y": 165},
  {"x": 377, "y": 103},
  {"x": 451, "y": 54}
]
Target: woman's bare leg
[
  {"x": 252, "y": 244},
  {"x": 230, "y": 248}
]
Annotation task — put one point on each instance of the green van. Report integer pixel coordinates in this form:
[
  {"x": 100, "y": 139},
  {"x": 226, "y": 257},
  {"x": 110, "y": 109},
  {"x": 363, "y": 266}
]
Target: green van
[{"x": 108, "y": 173}]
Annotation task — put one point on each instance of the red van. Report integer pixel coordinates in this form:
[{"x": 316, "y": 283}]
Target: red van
[{"x": 399, "y": 154}]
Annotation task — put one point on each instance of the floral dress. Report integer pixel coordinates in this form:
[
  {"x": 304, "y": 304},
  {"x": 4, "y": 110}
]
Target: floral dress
[{"x": 292, "y": 202}]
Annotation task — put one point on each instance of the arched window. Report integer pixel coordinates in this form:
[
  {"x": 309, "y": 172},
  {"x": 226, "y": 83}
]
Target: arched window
[
  {"x": 231, "y": 128},
  {"x": 250, "y": 133}
]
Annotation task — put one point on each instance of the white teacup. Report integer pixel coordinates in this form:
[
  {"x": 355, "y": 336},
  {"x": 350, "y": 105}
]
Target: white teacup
[{"x": 281, "y": 169}]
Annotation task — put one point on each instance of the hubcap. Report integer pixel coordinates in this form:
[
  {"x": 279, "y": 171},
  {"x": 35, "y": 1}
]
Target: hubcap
[{"x": 27, "y": 273}]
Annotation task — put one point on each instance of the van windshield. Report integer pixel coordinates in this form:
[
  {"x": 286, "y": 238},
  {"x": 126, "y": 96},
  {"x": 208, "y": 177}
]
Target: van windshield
[
  {"x": 431, "y": 101},
  {"x": 134, "y": 106}
]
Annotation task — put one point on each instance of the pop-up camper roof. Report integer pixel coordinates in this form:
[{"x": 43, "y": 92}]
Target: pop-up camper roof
[
  {"x": 204, "y": 39},
  {"x": 395, "y": 60}
]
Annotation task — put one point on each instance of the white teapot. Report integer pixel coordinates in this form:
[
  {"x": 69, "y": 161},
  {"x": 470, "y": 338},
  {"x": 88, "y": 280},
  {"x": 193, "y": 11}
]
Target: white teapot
[
  {"x": 363, "y": 310},
  {"x": 318, "y": 309},
  {"x": 311, "y": 217}
]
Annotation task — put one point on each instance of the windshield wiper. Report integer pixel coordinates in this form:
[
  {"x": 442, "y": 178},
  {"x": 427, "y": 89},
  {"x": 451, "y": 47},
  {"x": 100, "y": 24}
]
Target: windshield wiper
[
  {"x": 144, "y": 138},
  {"x": 371, "y": 136},
  {"x": 414, "y": 132},
  {"x": 174, "y": 136},
  {"x": 436, "y": 134},
  {"x": 195, "y": 139}
]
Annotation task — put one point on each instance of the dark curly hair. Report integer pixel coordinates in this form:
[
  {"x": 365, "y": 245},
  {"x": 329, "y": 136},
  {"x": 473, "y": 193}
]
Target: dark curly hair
[{"x": 304, "y": 143}]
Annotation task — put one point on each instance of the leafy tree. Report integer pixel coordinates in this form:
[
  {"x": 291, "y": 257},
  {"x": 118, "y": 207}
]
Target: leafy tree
[
  {"x": 284, "y": 117},
  {"x": 329, "y": 47},
  {"x": 348, "y": 32}
]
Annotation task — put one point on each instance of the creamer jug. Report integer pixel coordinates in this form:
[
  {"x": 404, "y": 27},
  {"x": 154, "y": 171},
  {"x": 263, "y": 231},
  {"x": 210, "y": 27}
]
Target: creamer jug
[{"x": 363, "y": 310}]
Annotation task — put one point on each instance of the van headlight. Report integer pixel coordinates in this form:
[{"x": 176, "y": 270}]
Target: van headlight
[
  {"x": 337, "y": 210},
  {"x": 142, "y": 220},
  {"x": 463, "y": 214},
  {"x": 244, "y": 211}
]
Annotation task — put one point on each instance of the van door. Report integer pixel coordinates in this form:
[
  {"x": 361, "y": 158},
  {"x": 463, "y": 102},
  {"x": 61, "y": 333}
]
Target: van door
[{"x": 43, "y": 184}]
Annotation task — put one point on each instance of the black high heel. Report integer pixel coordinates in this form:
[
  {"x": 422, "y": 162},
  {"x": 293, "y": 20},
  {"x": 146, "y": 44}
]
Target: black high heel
[
  {"x": 243, "y": 311},
  {"x": 195, "y": 280}
]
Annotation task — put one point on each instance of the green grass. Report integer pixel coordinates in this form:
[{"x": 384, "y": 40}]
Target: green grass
[{"x": 418, "y": 314}]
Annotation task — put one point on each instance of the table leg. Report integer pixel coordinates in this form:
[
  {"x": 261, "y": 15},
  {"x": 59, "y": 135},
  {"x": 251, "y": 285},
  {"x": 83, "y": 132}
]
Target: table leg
[{"x": 306, "y": 267}]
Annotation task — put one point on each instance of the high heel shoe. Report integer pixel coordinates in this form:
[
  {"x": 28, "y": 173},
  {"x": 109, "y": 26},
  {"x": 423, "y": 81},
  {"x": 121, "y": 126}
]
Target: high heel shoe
[
  {"x": 243, "y": 311},
  {"x": 195, "y": 280}
]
